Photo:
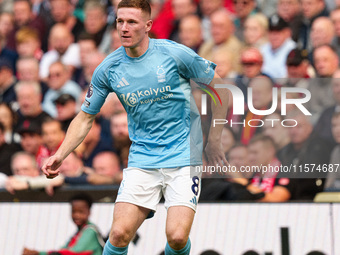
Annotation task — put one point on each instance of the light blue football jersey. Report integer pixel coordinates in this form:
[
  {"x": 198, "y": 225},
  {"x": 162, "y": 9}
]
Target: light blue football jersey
[{"x": 164, "y": 123}]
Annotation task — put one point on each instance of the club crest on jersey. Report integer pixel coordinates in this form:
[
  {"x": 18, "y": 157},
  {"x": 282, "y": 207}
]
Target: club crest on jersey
[
  {"x": 160, "y": 74},
  {"x": 130, "y": 99},
  {"x": 90, "y": 91}
]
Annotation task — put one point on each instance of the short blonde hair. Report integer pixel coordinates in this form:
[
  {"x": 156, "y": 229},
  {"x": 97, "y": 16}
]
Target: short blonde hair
[{"x": 261, "y": 19}]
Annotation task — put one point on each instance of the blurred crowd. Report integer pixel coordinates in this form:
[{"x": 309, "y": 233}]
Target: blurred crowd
[{"x": 49, "y": 50}]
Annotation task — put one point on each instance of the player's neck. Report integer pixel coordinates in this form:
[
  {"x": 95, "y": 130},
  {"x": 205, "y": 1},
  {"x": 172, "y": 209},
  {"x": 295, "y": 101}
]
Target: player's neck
[{"x": 139, "y": 50}]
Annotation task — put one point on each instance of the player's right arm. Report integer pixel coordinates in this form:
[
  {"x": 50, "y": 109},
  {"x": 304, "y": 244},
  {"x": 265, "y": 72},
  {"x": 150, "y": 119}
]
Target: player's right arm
[{"x": 76, "y": 133}]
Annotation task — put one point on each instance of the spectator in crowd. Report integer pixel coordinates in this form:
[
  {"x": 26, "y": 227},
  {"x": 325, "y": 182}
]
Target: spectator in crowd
[
  {"x": 262, "y": 96},
  {"x": 8, "y": 118},
  {"x": 95, "y": 24},
  {"x": 180, "y": 9},
  {"x": 262, "y": 153},
  {"x": 6, "y": 25},
  {"x": 326, "y": 63},
  {"x": 6, "y": 152},
  {"x": 120, "y": 135},
  {"x": 62, "y": 49},
  {"x": 305, "y": 148},
  {"x": 28, "y": 71},
  {"x": 6, "y": 5},
  {"x": 275, "y": 52},
  {"x": 28, "y": 43},
  {"x": 59, "y": 83},
  {"x": 92, "y": 60},
  {"x": 52, "y": 134},
  {"x": 224, "y": 66},
  {"x": 207, "y": 8},
  {"x": 96, "y": 141},
  {"x": 115, "y": 41},
  {"x": 190, "y": 32},
  {"x": 73, "y": 168},
  {"x": 333, "y": 176},
  {"x": 112, "y": 11},
  {"x": 267, "y": 7},
  {"x": 26, "y": 174},
  {"x": 251, "y": 60},
  {"x": 238, "y": 157},
  {"x": 228, "y": 139},
  {"x": 31, "y": 141},
  {"x": 107, "y": 169},
  {"x": 7, "y": 82},
  {"x": 322, "y": 32},
  {"x": 23, "y": 165},
  {"x": 323, "y": 126},
  {"x": 162, "y": 17},
  {"x": 42, "y": 8},
  {"x": 87, "y": 45},
  {"x": 243, "y": 10},
  {"x": 290, "y": 11},
  {"x": 66, "y": 109},
  {"x": 275, "y": 130},
  {"x": 222, "y": 30},
  {"x": 297, "y": 69},
  {"x": 72, "y": 172},
  {"x": 87, "y": 239},
  {"x": 5, "y": 53},
  {"x": 335, "y": 17},
  {"x": 311, "y": 9},
  {"x": 24, "y": 17},
  {"x": 62, "y": 12},
  {"x": 255, "y": 31},
  {"x": 29, "y": 100}
]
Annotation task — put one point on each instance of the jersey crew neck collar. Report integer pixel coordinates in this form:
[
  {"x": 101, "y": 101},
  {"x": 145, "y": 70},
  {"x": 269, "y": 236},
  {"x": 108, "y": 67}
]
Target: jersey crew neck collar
[{"x": 140, "y": 58}]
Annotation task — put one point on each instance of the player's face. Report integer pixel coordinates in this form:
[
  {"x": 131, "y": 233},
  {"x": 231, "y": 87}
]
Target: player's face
[
  {"x": 133, "y": 26},
  {"x": 80, "y": 212}
]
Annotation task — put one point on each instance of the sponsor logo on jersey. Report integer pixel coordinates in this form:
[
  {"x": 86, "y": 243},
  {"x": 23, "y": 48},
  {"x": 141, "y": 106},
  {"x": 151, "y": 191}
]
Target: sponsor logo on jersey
[
  {"x": 132, "y": 99},
  {"x": 123, "y": 83}
]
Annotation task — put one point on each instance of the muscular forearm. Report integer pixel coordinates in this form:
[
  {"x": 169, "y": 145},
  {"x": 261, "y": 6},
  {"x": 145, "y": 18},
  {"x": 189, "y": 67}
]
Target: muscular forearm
[{"x": 76, "y": 133}]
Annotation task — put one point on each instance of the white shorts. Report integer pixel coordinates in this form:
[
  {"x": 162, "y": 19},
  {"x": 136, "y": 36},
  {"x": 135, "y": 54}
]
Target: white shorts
[{"x": 144, "y": 187}]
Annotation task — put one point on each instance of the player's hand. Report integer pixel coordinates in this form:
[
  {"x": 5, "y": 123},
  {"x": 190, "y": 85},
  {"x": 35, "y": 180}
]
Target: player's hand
[
  {"x": 51, "y": 165},
  {"x": 215, "y": 155}
]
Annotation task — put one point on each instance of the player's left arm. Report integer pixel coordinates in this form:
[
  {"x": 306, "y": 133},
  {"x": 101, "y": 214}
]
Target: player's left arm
[{"x": 214, "y": 149}]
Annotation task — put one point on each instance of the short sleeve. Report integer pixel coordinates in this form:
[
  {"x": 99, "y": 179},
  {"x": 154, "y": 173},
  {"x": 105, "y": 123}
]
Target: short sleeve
[
  {"x": 193, "y": 66},
  {"x": 97, "y": 91}
]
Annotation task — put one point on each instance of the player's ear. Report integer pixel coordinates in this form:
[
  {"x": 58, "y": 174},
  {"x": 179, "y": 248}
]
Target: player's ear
[{"x": 148, "y": 25}]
